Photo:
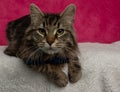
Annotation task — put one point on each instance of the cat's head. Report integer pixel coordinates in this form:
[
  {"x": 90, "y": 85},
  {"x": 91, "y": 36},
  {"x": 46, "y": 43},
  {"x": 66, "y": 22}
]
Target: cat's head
[{"x": 53, "y": 33}]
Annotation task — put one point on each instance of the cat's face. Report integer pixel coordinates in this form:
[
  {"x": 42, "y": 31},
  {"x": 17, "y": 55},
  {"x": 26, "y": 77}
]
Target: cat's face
[{"x": 52, "y": 33}]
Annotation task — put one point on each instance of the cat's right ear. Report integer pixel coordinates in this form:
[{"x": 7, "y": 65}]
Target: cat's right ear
[{"x": 36, "y": 14}]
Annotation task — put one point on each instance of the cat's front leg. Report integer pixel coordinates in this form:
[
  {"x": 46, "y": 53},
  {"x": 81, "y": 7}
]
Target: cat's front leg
[
  {"x": 74, "y": 70},
  {"x": 55, "y": 74}
]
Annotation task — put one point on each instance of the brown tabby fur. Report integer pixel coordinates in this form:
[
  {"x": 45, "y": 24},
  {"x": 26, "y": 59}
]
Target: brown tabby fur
[{"x": 43, "y": 36}]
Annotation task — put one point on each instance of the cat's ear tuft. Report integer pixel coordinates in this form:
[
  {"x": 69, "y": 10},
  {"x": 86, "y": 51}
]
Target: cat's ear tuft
[
  {"x": 69, "y": 13},
  {"x": 36, "y": 14}
]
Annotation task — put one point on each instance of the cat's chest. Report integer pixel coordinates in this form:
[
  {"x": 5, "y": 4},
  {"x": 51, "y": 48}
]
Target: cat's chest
[{"x": 47, "y": 60}]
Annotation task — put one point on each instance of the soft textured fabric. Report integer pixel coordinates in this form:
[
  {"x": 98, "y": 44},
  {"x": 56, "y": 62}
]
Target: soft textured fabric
[
  {"x": 95, "y": 20},
  {"x": 100, "y": 67}
]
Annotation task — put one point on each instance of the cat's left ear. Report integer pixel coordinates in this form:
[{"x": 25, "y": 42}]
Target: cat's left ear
[
  {"x": 68, "y": 14},
  {"x": 36, "y": 14}
]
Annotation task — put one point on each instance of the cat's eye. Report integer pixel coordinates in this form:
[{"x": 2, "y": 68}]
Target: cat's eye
[
  {"x": 41, "y": 31},
  {"x": 60, "y": 32}
]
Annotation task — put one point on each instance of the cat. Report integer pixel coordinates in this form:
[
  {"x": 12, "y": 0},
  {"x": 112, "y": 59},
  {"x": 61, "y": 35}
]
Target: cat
[{"x": 41, "y": 36}]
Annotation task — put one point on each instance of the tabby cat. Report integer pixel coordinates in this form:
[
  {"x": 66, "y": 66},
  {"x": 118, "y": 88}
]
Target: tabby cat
[{"x": 42, "y": 36}]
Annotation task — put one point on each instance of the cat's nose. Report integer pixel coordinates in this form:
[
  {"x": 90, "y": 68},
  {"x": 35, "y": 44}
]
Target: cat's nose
[{"x": 50, "y": 40}]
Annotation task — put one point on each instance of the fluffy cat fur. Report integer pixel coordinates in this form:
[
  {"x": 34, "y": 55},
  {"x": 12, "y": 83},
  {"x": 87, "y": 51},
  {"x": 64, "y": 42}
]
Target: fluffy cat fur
[{"x": 41, "y": 36}]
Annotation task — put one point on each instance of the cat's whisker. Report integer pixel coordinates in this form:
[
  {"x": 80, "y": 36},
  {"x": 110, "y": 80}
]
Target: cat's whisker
[
  {"x": 33, "y": 54},
  {"x": 24, "y": 50},
  {"x": 59, "y": 45},
  {"x": 69, "y": 49},
  {"x": 41, "y": 44}
]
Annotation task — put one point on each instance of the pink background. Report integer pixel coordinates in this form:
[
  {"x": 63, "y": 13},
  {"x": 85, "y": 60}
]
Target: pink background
[{"x": 96, "y": 20}]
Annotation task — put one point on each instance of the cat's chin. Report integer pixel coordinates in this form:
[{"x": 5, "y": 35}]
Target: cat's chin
[{"x": 51, "y": 51}]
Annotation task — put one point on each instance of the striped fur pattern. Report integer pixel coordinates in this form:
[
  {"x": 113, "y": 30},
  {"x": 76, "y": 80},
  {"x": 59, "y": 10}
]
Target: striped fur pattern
[{"x": 42, "y": 36}]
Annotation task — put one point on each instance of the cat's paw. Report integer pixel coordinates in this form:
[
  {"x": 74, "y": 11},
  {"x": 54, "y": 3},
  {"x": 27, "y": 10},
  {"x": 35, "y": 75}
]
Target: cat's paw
[
  {"x": 59, "y": 78},
  {"x": 62, "y": 82},
  {"x": 74, "y": 73},
  {"x": 74, "y": 77}
]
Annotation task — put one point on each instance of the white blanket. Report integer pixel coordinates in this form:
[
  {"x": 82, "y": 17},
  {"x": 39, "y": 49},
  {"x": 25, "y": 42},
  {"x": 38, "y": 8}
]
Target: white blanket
[{"x": 100, "y": 67}]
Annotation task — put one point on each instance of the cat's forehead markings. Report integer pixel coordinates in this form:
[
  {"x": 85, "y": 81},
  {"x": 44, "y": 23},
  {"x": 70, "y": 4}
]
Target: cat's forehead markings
[
  {"x": 41, "y": 25},
  {"x": 60, "y": 26}
]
